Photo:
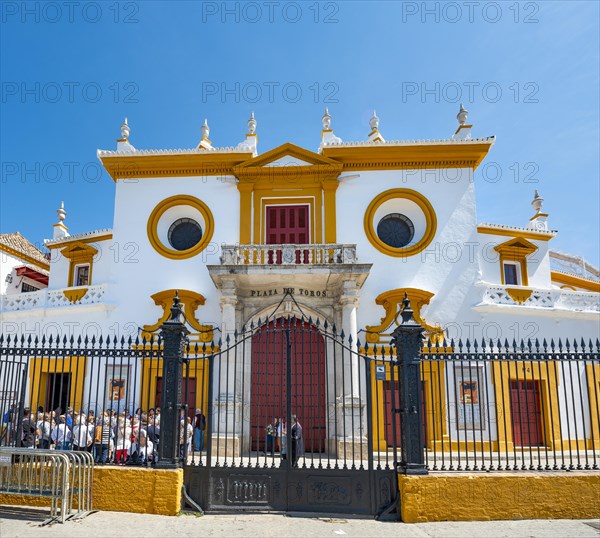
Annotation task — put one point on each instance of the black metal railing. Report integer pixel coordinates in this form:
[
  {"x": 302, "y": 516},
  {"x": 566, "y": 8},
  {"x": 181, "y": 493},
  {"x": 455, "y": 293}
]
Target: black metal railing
[
  {"x": 499, "y": 406},
  {"x": 443, "y": 406}
]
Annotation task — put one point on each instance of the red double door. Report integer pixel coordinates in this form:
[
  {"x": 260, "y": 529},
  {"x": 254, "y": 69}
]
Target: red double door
[
  {"x": 525, "y": 408},
  {"x": 287, "y": 224},
  {"x": 269, "y": 381}
]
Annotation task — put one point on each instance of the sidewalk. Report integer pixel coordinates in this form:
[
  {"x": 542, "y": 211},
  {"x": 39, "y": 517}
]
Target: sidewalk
[{"x": 23, "y": 522}]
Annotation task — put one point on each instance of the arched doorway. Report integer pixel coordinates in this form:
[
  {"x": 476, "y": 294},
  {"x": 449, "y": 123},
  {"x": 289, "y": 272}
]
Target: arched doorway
[{"x": 269, "y": 394}]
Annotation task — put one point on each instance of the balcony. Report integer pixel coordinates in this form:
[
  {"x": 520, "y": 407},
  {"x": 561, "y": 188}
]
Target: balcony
[
  {"x": 288, "y": 254},
  {"x": 44, "y": 299},
  {"x": 268, "y": 267},
  {"x": 546, "y": 299}
]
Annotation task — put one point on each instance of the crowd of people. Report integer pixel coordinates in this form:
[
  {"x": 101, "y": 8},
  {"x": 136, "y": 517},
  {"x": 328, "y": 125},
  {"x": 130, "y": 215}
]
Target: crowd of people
[{"x": 121, "y": 438}]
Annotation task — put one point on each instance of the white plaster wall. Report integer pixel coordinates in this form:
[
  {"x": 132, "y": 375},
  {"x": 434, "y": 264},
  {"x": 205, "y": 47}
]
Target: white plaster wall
[
  {"x": 145, "y": 272},
  {"x": 7, "y": 264},
  {"x": 538, "y": 263},
  {"x": 446, "y": 267}
]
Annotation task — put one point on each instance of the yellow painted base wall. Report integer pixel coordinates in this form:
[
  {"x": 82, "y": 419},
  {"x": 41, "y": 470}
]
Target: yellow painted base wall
[
  {"x": 145, "y": 491},
  {"x": 480, "y": 497}
]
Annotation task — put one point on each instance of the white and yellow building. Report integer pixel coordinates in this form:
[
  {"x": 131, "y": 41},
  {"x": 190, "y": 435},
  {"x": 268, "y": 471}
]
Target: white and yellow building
[{"x": 356, "y": 224}]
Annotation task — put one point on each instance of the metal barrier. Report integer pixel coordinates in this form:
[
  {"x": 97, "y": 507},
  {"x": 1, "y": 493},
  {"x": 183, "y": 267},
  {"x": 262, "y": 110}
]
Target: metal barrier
[{"x": 55, "y": 474}]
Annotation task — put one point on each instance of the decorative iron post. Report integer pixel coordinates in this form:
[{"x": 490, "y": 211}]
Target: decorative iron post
[
  {"x": 173, "y": 333},
  {"x": 407, "y": 338}
]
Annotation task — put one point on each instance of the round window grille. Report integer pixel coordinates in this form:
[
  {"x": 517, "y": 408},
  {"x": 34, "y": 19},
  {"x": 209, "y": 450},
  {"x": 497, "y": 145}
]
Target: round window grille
[
  {"x": 395, "y": 230},
  {"x": 184, "y": 234}
]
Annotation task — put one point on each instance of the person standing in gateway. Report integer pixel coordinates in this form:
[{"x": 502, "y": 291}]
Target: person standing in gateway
[
  {"x": 297, "y": 440},
  {"x": 199, "y": 427}
]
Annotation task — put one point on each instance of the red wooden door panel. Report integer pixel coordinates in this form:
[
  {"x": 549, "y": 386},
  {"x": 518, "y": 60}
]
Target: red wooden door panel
[
  {"x": 390, "y": 416},
  {"x": 269, "y": 381},
  {"x": 287, "y": 224},
  {"x": 189, "y": 398},
  {"x": 526, "y": 413}
]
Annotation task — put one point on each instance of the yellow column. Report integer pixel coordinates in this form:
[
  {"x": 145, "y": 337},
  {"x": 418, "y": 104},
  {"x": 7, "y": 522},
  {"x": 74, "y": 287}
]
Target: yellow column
[
  {"x": 245, "y": 212},
  {"x": 329, "y": 188}
]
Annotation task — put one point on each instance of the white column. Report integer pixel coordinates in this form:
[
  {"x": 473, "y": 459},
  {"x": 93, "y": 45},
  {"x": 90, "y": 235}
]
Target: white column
[
  {"x": 226, "y": 394},
  {"x": 349, "y": 302},
  {"x": 350, "y": 407}
]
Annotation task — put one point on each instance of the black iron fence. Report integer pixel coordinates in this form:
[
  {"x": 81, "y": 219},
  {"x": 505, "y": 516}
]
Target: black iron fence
[
  {"x": 444, "y": 406},
  {"x": 500, "y": 406}
]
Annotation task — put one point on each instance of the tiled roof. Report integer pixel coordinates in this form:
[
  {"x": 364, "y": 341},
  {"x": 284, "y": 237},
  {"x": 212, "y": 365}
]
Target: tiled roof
[{"x": 18, "y": 243}]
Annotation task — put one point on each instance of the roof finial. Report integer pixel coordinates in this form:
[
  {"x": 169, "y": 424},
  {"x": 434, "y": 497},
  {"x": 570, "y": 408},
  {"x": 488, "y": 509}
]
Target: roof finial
[
  {"x": 375, "y": 135},
  {"x": 60, "y": 230},
  {"x": 462, "y": 115},
  {"x": 125, "y": 130},
  {"x": 326, "y": 119},
  {"x": 205, "y": 130},
  {"x": 252, "y": 124},
  {"x": 537, "y": 202},
  {"x": 61, "y": 212},
  {"x": 374, "y": 122},
  {"x": 540, "y": 220},
  {"x": 327, "y": 136}
]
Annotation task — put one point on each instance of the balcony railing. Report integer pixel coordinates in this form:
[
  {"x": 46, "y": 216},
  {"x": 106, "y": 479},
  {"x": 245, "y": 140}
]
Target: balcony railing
[
  {"x": 288, "y": 254},
  {"x": 576, "y": 301},
  {"x": 82, "y": 295}
]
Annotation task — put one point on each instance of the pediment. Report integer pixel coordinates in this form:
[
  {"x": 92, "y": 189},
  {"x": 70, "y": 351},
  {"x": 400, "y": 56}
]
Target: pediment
[
  {"x": 518, "y": 245},
  {"x": 291, "y": 158}
]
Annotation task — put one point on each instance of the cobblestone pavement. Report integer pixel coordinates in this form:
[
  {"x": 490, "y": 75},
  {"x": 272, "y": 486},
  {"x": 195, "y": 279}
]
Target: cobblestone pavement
[{"x": 23, "y": 522}]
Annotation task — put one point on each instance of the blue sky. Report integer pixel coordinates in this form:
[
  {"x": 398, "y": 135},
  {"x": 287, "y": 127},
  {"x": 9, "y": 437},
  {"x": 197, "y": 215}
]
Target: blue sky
[{"x": 528, "y": 73}]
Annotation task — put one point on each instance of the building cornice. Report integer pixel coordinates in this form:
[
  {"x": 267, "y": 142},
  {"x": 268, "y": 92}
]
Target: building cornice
[
  {"x": 410, "y": 155},
  {"x": 87, "y": 237},
  {"x": 516, "y": 231},
  {"x": 165, "y": 163},
  {"x": 575, "y": 280}
]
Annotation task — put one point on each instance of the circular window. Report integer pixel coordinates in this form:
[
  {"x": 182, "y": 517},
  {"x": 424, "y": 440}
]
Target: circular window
[
  {"x": 184, "y": 234},
  {"x": 180, "y": 227},
  {"x": 395, "y": 230},
  {"x": 400, "y": 222}
]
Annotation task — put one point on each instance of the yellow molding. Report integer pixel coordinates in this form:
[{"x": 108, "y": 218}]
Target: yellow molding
[
  {"x": 152, "y": 369},
  {"x": 575, "y": 281},
  {"x": 311, "y": 198},
  {"x": 386, "y": 157},
  {"x": 407, "y": 194},
  {"x": 538, "y": 236},
  {"x": 519, "y": 295},
  {"x": 75, "y": 295},
  {"x": 314, "y": 184},
  {"x": 41, "y": 367},
  {"x": 168, "y": 203},
  {"x": 190, "y": 301},
  {"x": 182, "y": 165},
  {"x": 24, "y": 257},
  {"x": 546, "y": 374},
  {"x": 391, "y": 301},
  {"x": 84, "y": 240},
  {"x": 516, "y": 250},
  {"x": 592, "y": 377},
  {"x": 79, "y": 253}
]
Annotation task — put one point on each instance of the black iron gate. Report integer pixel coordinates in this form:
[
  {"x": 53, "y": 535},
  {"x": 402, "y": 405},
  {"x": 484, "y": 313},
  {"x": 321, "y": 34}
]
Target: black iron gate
[{"x": 295, "y": 422}]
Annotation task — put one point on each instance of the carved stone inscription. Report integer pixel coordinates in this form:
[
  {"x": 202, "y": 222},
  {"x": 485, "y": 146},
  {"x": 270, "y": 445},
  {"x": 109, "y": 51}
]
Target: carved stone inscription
[{"x": 329, "y": 490}]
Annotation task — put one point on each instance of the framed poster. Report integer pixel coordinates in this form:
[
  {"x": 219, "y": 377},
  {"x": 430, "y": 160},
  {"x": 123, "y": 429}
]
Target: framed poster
[
  {"x": 469, "y": 398},
  {"x": 117, "y": 386}
]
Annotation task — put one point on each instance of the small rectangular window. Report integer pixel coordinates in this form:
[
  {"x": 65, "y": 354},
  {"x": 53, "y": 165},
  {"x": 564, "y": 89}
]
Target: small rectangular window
[
  {"x": 511, "y": 274},
  {"x": 27, "y": 288},
  {"x": 82, "y": 275}
]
